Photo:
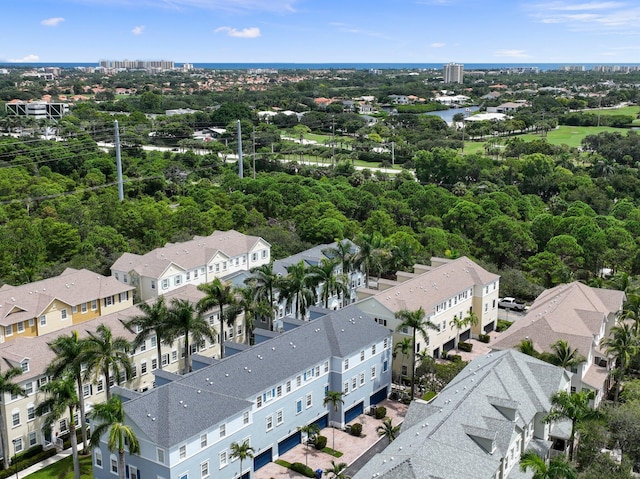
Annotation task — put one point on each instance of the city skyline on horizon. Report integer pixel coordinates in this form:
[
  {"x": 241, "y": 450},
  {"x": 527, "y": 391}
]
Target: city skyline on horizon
[{"x": 311, "y": 31}]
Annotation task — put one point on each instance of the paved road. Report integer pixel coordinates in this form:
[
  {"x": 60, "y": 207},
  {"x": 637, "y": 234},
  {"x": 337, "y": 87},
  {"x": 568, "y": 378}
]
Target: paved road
[
  {"x": 510, "y": 315},
  {"x": 366, "y": 457}
]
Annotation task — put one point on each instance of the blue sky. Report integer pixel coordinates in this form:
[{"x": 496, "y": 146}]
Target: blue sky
[{"x": 313, "y": 31}]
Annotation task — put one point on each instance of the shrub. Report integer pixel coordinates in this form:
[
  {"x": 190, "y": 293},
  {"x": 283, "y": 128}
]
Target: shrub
[
  {"x": 28, "y": 462},
  {"x": 467, "y": 347},
  {"x": 320, "y": 443},
  {"x": 302, "y": 469},
  {"x": 484, "y": 338},
  {"x": 456, "y": 358},
  {"x": 356, "y": 429},
  {"x": 503, "y": 325},
  {"x": 381, "y": 412}
]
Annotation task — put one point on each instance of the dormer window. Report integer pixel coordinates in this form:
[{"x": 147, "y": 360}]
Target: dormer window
[{"x": 24, "y": 365}]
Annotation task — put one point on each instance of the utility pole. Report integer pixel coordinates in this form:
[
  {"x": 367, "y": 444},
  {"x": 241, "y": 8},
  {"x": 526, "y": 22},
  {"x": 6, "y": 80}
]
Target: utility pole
[
  {"x": 240, "y": 172},
  {"x": 333, "y": 139},
  {"x": 254, "y": 152},
  {"x": 118, "y": 162},
  {"x": 393, "y": 153}
]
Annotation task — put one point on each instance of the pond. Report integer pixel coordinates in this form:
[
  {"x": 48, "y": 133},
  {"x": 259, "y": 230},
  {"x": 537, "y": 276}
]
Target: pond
[{"x": 447, "y": 115}]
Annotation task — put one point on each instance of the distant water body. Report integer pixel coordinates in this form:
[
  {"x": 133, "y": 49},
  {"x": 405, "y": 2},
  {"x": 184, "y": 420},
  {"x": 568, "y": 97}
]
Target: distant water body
[{"x": 339, "y": 66}]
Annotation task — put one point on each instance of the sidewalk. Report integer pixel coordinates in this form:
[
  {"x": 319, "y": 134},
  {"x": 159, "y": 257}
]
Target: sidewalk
[{"x": 42, "y": 464}]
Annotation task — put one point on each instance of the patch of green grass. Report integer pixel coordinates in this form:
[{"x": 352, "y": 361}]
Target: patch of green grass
[
  {"x": 64, "y": 469},
  {"x": 571, "y": 135},
  {"x": 625, "y": 110},
  {"x": 328, "y": 450},
  {"x": 428, "y": 396},
  {"x": 283, "y": 463}
]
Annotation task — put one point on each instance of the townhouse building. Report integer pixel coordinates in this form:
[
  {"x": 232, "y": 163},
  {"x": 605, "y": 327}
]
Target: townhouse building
[
  {"x": 444, "y": 290},
  {"x": 480, "y": 424},
  {"x": 580, "y": 315},
  {"x": 260, "y": 394},
  {"x": 20, "y": 426},
  {"x": 197, "y": 261}
]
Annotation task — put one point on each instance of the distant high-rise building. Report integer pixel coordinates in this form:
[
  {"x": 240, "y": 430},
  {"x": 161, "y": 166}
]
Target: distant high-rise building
[{"x": 453, "y": 73}]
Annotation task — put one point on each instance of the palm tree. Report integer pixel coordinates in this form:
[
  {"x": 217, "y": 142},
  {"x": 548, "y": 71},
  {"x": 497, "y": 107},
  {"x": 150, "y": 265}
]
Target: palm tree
[
  {"x": 104, "y": 354},
  {"x": 574, "y": 407},
  {"x": 68, "y": 351},
  {"x": 311, "y": 430},
  {"x": 416, "y": 321},
  {"x": 564, "y": 356},
  {"x": 342, "y": 252},
  {"x": 404, "y": 347},
  {"x": 186, "y": 320},
  {"x": 62, "y": 396},
  {"x": 457, "y": 323},
  {"x": 337, "y": 471},
  {"x": 218, "y": 294},
  {"x": 7, "y": 386},
  {"x": 242, "y": 452},
  {"x": 371, "y": 253},
  {"x": 110, "y": 417},
  {"x": 297, "y": 288},
  {"x": 152, "y": 322},
  {"x": 622, "y": 344},
  {"x": 248, "y": 302},
  {"x": 323, "y": 275},
  {"x": 333, "y": 398},
  {"x": 388, "y": 430},
  {"x": 526, "y": 347},
  {"x": 558, "y": 467},
  {"x": 265, "y": 281}
]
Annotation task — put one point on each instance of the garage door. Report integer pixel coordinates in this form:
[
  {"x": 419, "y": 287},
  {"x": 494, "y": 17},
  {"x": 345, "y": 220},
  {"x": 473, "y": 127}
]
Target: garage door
[
  {"x": 322, "y": 422},
  {"x": 262, "y": 459},
  {"x": 354, "y": 412},
  {"x": 289, "y": 443},
  {"x": 378, "y": 397}
]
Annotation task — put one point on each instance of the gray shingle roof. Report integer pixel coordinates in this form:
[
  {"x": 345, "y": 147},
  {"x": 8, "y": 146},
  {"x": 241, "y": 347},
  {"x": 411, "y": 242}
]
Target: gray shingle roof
[
  {"x": 312, "y": 257},
  {"x": 244, "y": 375},
  {"x": 445, "y": 438}
]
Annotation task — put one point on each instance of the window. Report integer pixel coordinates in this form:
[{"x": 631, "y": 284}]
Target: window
[
  {"x": 20, "y": 326},
  {"x": 224, "y": 266},
  {"x": 269, "y": 423},
  {"x": 298, "y": 406},
  {"x": 373, "y": 350},
  {"x": 279, "y": 417},
  {"x": 8, "y": 330},
  {"x": 298, "y": 381},
  {"x": 404, "y": 370},
  {"x": 165, "y": 283},
  {"x": 223, "y": 430},
  {"x": 346, "y": 364},
  {"x": 32, "y": 322},
  {"x": 165, "y": 359},
  {"x": 28, "y": 388},
  {"x": 114, "y": 465},
  {"x": 174, "y": 355},
  {"x": 361, "y": 379},
  {"x": 86, "y": 390},
  {"x": 279, "y": 391},
  {"x": 154, "y": 364},
  {"x": 264, "y": 253},
  {"x": 188, "y": 276},
  {"x": 160, "y": 455},
  {"x": 373, "y": 372},
  {"x": 153, "y": 284},
  {"x": 345, "y": 388},
  {"x": 24, "y": 365},
  {"x": 17, "y": 445},
  {"x": 354, "y": 382},
  {"x": 74, "y": 309},
  {"x": 288, "y": 386},
  {"x": 308, "y": 401},
  {"x": 326, "y": 366},
  {"x": 108, "y": 301},
  {"x": 204, "y": 469},
  {"x": 63, "y": 313},
  {"x": 245, "y": 417},
  {"x": 183, "y": 451},
  {"x": 254, "y": 256},
  {"x": 177, "y": 280},
  {"x": 143, "y": 367},
  {"x": 15, "y": 419},
  {"x": 385, "y": 344},
  {"x": 33, "y": 439},
  {"x": 203, "y": 441},
  {"x": 385, "y": 366},
  {"x": 122, "y": 297},
  {"x": 223, "y": 459},
  {"x": 83, "y": 308},
  {"x": 362, "y": 355},
  {"x": 259, "y": 401},
  {"x": 94, "y": 305},
  {"x": 31, "y": 413},
  {"x": 100, "y": 386}
]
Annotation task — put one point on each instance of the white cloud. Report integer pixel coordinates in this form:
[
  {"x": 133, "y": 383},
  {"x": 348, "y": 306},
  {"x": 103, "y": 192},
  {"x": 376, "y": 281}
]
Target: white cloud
[
  {"x": 138, "y": 30},
  {"x": 52, "y": 22},
  {"x": 28, "y": 59},
  {"x": 438, "y": 45},
  {"x": 354, "y": 29},
  {"x": 594, "y": 17},
  {"x": 252, "y": 32},
  {"x": 511, "y": 54},
  {"x": 237, "y": 6}
]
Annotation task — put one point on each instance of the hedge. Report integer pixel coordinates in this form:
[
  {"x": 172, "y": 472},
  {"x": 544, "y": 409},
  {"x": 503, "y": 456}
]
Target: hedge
[
  {"x": 467, "y": 347},
  {"x": 356, "y": 429},
  {"x": 484, "y": 338},
  {"x": 302, "y": 469},
  {"x": 320, "y": 443},
  {"x": 381, "y": 412}
]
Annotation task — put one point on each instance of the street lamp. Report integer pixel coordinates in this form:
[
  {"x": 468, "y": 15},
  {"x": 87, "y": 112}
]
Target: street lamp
[{"x": 15, "y": 455}]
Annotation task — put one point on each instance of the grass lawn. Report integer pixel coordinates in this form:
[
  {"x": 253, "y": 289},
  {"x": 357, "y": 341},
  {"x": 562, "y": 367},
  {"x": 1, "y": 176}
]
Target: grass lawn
[
  {"x": 64, "y": 469},
  {"x": 572, "y": 135},
  {"x": 625, "y": 110}
]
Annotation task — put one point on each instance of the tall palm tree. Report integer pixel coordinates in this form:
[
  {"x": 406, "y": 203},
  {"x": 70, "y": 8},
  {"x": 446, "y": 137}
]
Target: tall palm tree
[
  {"x": 526, "y": 347},
  {"x": 564, "y": 356},
  {"x": 265, "y": 282},
  {"x": 7, "y": 386},
  {"x": 110, "y": 418},
  {"x": 404, "y": 347},
  {"x": 343, "y": 252},
  {"x": 337, "y": 471},
  {"x": 574, "y": 407},
  {"x": 61, "y": 396},
  {"x": 221, "y": 295},
  {"x": 323, "y": 275},
  {"x": 371, "y": 253},
  {"x": 106, "y": 355},
  {"x": 622, "y": 343},
  {"x": 242, "y": 452},
  {"x": 69, "y": 350},
  {"x": 252, "y": 306},
  {"x": 558, "y": 467},
  {"x": 388, "y": 430},
  {"x": 297, "y": 287},
  {"x": 152, "y": 322},
  {"x": 186, "y": 319},
  {"x": 416, "y": 321},
  {"x": 311, "y": 430},
  {"x": 458, "y": 324},
  {"x": 333, "y": 398}
]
